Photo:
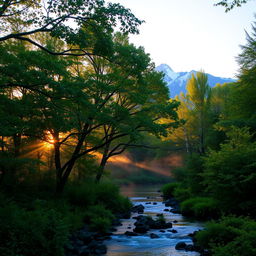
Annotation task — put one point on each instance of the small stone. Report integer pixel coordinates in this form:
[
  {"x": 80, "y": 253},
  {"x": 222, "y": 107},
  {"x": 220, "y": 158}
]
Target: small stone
[
  {"x": 129, "y": 233},
  {"x": 152, "y": 236}
]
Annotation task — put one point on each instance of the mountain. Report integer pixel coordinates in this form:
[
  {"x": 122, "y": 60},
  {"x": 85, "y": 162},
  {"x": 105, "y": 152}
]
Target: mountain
[{"x": 176, "y": 81}]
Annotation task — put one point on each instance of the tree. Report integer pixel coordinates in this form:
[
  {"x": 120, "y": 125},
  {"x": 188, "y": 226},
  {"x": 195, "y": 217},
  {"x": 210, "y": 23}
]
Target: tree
[
  {"x": 199, "y": 93},
  {"x": 230, "y": 172},
  {"x": 92, "y": 23},
  {"x": 229, "y": 5},
  {"x": 142, "y": 117},
  {"x": 242, "y": 100},
  {"x": 124, "y": 97}
]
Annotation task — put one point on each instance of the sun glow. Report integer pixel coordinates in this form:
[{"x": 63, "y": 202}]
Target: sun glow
[
  {"x": 161, "y": 166},
  {"x": 49, "y": 140}
]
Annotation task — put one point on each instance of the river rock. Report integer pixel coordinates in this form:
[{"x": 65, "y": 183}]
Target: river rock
[
  {"x": 100, "y": 249},
  {"x": 175, "y": 210},
  {"x": 138, "y": 208},
  {"x": 141, "y": 228},
  {"x": 152, "y": 235},
  {"x": 180, "y": 246},
  {"x": 130, "y": 233},
  {"x": 171, "y": 202},
  {"x": 85, "y": 235},
  {"x": 205, "y": 252},
  {"x": 190, "y": 248},
  {"x": 84, "y": 251}
]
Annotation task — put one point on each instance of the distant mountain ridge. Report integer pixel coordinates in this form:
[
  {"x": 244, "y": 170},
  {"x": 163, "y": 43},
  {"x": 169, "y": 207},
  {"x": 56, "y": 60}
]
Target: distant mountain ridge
[{"x": 176, "y": 81}]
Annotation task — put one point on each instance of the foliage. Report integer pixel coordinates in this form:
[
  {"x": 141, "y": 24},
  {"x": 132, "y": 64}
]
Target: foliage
[
  {"x": 98, "y": 218},
  {"x": 81, "y": 195},
  {"x": 38, "y": 232},
  {"x": 168, "y": 189},
  {"x": 229, "y": 5},
  {"x": 229, "y": 173},
  {"x": 105, "y": 194},
  {"x": 229, "y": 236},
  {"x": 114, "y": 101},
  {"x": 92, "y": 23},
  {"x": 189, "y": 178},
  {"x": 200, "y": 207},
  {"x": 182, "y": 193},
  {"x": 194, "y": 110}
]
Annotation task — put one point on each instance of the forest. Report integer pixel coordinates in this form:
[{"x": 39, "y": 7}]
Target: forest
[{"x": 75, "y": 92}]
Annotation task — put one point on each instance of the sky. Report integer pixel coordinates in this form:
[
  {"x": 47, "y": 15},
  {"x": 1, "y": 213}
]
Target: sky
[{"x": 192, "y": 34}]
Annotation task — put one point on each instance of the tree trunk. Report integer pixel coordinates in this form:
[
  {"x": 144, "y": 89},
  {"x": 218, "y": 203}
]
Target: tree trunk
[
  {"x": 101, "y": 169},
  {"x": 17, "y": 144}
]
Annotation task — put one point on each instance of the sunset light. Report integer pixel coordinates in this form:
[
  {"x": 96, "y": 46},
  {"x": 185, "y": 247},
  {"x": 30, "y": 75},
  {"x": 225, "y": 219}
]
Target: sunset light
[{"x": 127, "y": 127}]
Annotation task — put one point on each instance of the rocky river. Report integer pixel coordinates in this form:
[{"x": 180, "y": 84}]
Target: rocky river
[{"x": 157, "y": 242}]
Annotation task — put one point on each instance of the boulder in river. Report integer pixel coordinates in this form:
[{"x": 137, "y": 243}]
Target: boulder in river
[
  {"x": 180, "y": 246},
  {"x": 130, "y": 233},
  {"x": 141, "y": 228},
  {"x": 138, "y": 208},
  {"x": 171, "y": 202},
  {"x": 190, "y": 248}
]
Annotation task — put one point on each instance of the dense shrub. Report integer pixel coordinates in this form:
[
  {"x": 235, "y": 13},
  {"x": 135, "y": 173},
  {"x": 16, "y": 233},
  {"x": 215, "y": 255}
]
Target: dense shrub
[
  {"x": 234, "y": 236},
  {"x": 182, "y": 193},
  {"x": 200, "y": 207},
  {"x": 98, "y": 202},
  {"x": 81, "y": 195},
  {"x": 168, "y": 189},
  {"x": 32, "y": 233},
  {"x": 98, "y": 218},
  {"x": 107, "y": 194},
  {"x": 230, "y": 173}
]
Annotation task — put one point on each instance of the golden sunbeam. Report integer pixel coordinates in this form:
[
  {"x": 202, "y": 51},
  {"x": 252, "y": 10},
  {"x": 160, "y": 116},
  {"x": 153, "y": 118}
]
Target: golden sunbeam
[{"x": 49, "y": 140}]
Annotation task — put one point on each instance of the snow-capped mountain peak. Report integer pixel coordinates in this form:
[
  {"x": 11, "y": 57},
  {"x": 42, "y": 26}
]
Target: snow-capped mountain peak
[
  {"x": 169, "y": 73},
  {"x": 176, "y": 81}
]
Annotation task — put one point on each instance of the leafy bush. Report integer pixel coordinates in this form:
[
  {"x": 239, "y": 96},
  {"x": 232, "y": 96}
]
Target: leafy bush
[
  {"x": 200, "y": 207},
  {"x": 168, "y": 189},
  {"x": 234, "y": 236},
  {"x": 100, "y": 224},
  {"x": 98, "y": 218},
  {"x": 108, "y": 195},
  {"x": 230, "y": 173},
  {"x": 32, "y": 233},
  {"x": 81, "y": 195},
  {"x": 182, "y": 193}
]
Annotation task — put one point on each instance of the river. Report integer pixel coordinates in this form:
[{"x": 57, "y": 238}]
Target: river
[{"x": 143, "y": 245}]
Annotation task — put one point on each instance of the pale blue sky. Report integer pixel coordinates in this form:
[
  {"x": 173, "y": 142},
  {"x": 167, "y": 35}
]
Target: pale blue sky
[{"x": 192, "y": 34}]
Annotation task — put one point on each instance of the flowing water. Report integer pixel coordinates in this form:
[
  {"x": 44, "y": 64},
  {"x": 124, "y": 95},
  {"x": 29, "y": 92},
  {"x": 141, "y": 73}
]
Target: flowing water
[{"x": 143, "y": 245}]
